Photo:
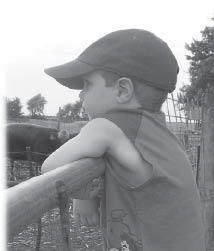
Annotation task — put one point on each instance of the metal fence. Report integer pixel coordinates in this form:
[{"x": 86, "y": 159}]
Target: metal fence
[
  {"x": 186, "y": 123},
  {"x": 56, "y": 230}
]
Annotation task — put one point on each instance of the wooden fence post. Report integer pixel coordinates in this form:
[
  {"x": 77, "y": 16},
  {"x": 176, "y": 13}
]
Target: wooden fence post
[
  {"x": 206, "y": 171},
  {"x": 64, "y": 214}
]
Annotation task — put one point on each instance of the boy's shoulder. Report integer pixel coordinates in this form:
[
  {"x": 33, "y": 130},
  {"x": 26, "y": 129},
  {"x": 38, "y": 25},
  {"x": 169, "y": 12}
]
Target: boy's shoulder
[{"x": 101, "y": 126}]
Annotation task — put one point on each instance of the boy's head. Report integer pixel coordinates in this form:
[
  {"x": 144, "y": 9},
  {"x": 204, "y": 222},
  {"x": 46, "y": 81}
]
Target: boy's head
[
  {"x": 128, "y": 56},
  {"x": 105, "y": 92}
]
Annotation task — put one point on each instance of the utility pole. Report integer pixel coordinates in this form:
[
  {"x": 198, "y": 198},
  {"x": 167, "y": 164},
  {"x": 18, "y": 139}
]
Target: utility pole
[{"x": 206, "y": 171}]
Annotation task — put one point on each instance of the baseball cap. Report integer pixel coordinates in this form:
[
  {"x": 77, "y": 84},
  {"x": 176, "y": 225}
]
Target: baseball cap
[{"x": 134, "y": 53}]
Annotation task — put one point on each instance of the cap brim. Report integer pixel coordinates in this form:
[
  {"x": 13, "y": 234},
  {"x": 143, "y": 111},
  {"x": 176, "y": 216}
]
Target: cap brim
[{"x": 70, "y": 74}]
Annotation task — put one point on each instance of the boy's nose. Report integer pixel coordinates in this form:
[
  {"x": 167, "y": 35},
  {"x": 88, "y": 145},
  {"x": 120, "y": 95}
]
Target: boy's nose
[{"x": 81, "y": 95}]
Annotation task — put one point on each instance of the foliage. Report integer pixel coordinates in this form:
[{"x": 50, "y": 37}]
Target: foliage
[
  {"x": 201, "y": 67},
  {"x": 13, "y": 108},
  {"x": 72, "y": 112},
  {"x": 36, "y": 106}
]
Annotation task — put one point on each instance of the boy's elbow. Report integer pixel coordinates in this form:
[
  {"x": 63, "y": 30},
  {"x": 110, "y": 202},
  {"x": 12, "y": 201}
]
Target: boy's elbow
[{"x": 46, "y": 167}]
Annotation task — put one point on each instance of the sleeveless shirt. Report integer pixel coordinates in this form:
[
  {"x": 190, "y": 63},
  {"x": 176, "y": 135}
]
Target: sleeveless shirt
[{"x": 162, "y": 214}]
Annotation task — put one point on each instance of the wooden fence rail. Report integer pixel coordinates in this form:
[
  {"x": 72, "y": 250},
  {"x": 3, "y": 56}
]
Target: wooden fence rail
[{"x": 29, "y": 200}]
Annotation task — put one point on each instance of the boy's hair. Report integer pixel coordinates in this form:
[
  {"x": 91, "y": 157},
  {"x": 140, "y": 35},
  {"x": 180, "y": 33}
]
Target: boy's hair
[{"x": 149, "y": 97}]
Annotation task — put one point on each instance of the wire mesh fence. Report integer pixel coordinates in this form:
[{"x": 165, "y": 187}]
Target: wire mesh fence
[
  {"x": 186, "y": 123},
  {"x": 51, "y": 232}
]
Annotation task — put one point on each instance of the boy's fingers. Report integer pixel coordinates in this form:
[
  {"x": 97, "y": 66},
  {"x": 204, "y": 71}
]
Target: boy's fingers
[
  {"x": 93, "y": 193},
  {"x": 96, "y": 181},
  {"x": 96, "y": 190},
  {"x": 84, "y": 221},
  {"x": 95, "y": 219},
  {"x": 90, "y": 222}
]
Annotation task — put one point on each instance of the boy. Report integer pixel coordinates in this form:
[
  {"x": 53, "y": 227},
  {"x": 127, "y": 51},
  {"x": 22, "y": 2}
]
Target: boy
[{"x": 150, "y": 200}]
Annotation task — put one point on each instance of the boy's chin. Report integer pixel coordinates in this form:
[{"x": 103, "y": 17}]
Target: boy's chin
[{"x": 94, "y": 116}]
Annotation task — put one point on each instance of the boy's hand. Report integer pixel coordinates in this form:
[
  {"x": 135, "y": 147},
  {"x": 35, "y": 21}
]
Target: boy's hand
[
  {"x": 92, "y": 190},
  {"x": 86, "y": 212}
]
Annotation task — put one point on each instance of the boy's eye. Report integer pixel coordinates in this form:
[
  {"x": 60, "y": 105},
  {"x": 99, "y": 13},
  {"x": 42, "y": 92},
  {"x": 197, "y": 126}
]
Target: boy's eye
[{"x": 86, "y": 84}]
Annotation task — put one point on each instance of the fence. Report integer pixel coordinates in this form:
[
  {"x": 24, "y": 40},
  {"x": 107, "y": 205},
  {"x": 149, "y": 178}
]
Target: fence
[
  {"x": 206, "y": 172},
  {"x": 186, "y": 124},
  {"x": 195, "y": 128}
]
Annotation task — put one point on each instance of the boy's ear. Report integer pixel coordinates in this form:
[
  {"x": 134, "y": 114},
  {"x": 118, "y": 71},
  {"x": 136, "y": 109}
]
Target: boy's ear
[{"x": 125, "y": 89}]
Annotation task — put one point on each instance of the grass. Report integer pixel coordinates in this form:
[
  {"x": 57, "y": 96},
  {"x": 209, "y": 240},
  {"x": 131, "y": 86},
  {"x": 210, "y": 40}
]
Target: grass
[{"x": 82, "y": 238}]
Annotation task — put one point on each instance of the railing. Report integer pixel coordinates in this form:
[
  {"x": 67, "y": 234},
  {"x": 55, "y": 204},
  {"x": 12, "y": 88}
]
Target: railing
[{"x": 29, "y": 200}]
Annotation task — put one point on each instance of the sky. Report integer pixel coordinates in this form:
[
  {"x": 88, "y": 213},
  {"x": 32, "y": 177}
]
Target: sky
[{"x": 40, "y": 34}]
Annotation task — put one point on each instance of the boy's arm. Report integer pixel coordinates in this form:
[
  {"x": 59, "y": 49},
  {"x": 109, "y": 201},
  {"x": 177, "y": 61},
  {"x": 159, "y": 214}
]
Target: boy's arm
[
  {"x": 98, "y": 137},
  {"x": 90, "y": 142}
]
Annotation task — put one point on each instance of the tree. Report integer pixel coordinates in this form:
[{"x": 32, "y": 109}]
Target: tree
[
  {"x": 13, "y": 108},
  {"x": 201, "y": 92},
  {"x": 36, "y": 105},
  {"x": 201, "y": 67},
  {"x": 72, "y": 112}
]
